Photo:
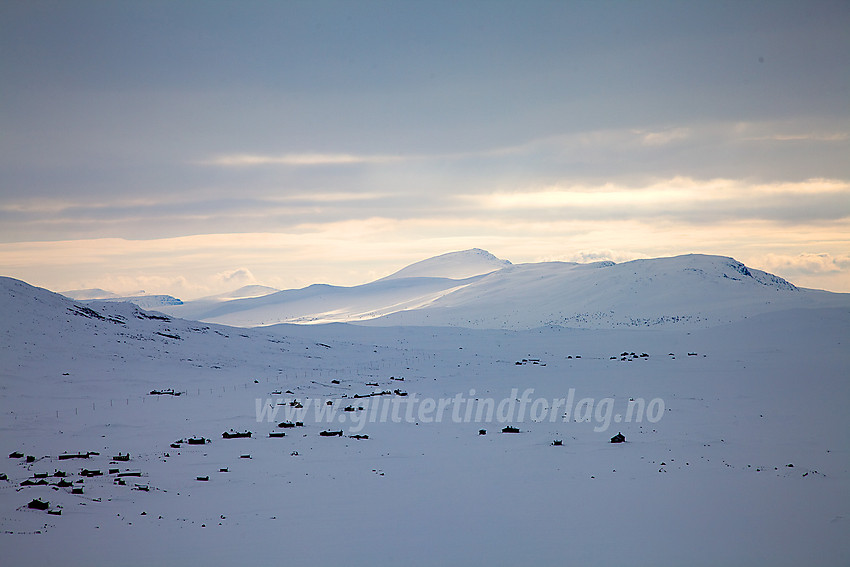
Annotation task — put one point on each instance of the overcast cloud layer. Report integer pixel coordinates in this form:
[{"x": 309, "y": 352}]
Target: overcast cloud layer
[{"x": 185, "y": 147}]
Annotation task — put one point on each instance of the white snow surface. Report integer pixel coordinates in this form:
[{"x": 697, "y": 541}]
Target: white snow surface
[
  {"x": 707, "y": 483},
  {"x": 694, "y": 290}
]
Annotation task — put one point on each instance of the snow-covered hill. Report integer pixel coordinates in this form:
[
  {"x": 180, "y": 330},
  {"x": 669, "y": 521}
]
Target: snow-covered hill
[{"x": 692, "y": 290}]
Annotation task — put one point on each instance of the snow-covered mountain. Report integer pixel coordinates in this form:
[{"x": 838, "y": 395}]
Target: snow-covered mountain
[
  {"x": 690, "y": 290},
  {"x": 475, "y": 289}
]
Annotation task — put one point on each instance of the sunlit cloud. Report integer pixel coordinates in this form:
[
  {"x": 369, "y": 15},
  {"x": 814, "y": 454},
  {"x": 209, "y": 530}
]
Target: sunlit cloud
[
  {"x": 588, "y": 256},
  {"x": 58, "y": 204},
  {"x": 237, "y": 278},
  {"x": 660, "y": 196},
  {"x": 811, "y": 137},
  {"x": 808, "y": 263},
  {"x": 35, "y": 205},
  {"x": 338, "y": 197},
  {"x": 664, "y": 137}
]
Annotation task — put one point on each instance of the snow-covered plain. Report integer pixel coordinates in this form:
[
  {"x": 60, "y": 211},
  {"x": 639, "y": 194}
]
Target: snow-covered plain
[{"x": 755, "y": 380}]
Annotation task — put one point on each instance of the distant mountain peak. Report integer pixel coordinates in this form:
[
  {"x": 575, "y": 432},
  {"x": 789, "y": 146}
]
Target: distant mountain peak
[
  {"x": 461, "y": 264},
  {"x": 92, "y": 293}
]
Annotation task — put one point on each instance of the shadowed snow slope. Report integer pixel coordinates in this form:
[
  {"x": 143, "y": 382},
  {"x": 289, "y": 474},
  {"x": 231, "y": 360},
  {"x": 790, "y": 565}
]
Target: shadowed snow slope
[
  {"x": 691, "y": 290},
  {"x": 321, "y": 303}
]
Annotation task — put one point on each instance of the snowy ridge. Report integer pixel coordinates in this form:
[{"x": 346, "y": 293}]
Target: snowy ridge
[
  {"x": 143, "y": 301},
  {"x": 689, "y": 290},
  {"x": 72, "y": 325}
]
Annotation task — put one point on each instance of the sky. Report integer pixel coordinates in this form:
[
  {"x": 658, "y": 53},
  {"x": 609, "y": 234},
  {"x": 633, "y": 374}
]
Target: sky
[{"x": 193, "y": 147}]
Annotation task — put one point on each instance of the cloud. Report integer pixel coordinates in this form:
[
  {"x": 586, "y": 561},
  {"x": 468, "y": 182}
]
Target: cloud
[
  {"x": 807, "y": 263},
  {"x": 808, "y": 137},
  {"x": 339, "y": 197},
  {"x": 664, "y": 137},
  {"x": 237, "y": 278},
  {"x": 688, "y": 199},
  {"x": 298, "y": 159},
  {"x": 408, "y": 197},
  {"x": 139, "y": 284},
  {"x": 588, "y": 256}
]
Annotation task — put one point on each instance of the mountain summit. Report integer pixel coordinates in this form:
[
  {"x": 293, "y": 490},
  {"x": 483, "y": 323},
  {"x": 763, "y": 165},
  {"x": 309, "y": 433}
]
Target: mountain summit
[{"x": 454, "y": 265}]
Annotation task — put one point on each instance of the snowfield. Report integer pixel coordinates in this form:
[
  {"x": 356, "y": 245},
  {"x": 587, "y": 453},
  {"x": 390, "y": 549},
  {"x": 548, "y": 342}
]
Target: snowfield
[{"x": 740, "y": 381}]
